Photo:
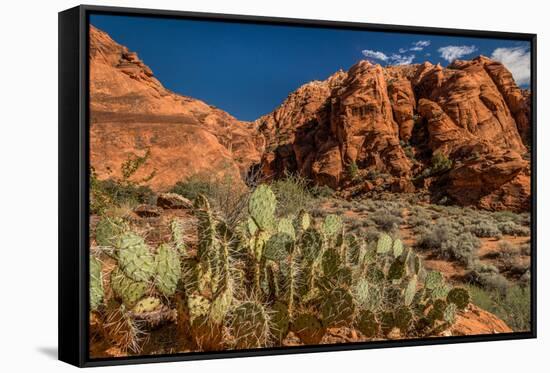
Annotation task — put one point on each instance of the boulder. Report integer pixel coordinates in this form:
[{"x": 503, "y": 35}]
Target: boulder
[{"x": 173, "y": 201}]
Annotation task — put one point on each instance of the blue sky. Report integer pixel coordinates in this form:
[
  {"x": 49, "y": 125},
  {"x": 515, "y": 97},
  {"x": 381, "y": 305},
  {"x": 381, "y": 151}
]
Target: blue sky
[{"x": 248, "y": 69}]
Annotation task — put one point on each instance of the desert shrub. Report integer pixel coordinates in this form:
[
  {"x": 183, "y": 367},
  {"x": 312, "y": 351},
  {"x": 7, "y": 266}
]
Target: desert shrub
[
  {"x": 512, "y": 305},
  {"x": 193, "y": 186},
  {"x": 525, "y": 248},
  {"x": 386, "y": 221},
  {"x": 292, "y": 193},
  {"x": 487, "y": 277},
  {"x": 484, "y": 229},
  {"x": 353, "y": 171},
  {"x": 440, "y": 163},
  {"x": 449, "y": 241},
  {"x": 506, "y": 250},
  {"x": 228, "y": 196},
  {"x": 114, "y": 191},
  {"x": 129, "y": 193},
  {"x": 513, "y": 229}
]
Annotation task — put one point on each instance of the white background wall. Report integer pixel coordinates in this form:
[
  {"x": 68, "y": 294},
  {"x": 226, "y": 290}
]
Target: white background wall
[{"x": 28, "y": 184}]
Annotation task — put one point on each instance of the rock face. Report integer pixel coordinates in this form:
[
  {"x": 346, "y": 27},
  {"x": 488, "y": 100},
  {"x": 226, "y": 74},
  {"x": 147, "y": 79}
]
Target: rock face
[
  {"x": 131, "y": 112},
  {"x": 344, "y": 132},
  {"x": 393, "y": 120}
]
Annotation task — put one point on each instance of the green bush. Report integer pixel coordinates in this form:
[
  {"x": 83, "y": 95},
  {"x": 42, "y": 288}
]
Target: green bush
[
  {"x": 230, "y": 198},
  {"x": 292, "y": 194},
  {"x": 440, "y": 163},
  {"x": 353, "y": 171},
  {"x": 513, "y": 305},
  {"x": 386, "y": 221},
  {"x": 484, "y": 229},
  {"x": 449, "y": 241},
  {"x": 513, "y": 229}
]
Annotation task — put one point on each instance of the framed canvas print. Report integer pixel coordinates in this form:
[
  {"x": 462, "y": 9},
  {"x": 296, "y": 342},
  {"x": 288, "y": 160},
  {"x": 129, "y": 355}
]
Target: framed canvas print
[{"x": 238, "y": 186}]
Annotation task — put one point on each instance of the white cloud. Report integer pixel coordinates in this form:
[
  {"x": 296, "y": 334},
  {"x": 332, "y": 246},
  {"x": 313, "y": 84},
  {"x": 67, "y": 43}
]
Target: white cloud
[
  {"x": 393, "y": 59},
  {"x": 452, "y": 52},
  {"x": 377, "y": 55},
  {"x": 403, "y": 50},
  {"x": 420, "y": 45},
  {"x": 517, "y": 60},
  {"x": 399, "y": 59}
]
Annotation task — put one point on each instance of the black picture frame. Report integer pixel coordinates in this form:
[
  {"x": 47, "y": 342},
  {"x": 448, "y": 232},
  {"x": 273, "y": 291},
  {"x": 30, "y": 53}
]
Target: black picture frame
[{"x": 74, "y": 175}]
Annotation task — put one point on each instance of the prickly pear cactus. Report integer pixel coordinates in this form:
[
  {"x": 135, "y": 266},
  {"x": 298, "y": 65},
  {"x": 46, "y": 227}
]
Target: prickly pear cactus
[
  {"x": 168, "y": 270},
  {"x": 278, "y": 247},
  {"x": 449, "y": 315},
  {"x": 147, "y": 304},
  {"x": 361, "y": 292},
  {"x": 397, "y": 248},
  {"x": 354, "y": 249},
  {"x": 367, "y": 324},
  {"x": 308, "y": 328},
  {"x": 126, "y": 288},
  {"x": 280, "y": 320},
  {"x": 459, "y": 296},
  {"x": 135, "y": 258},
  {"x": 332, "y": 226},
  {"x": 396, "y": 270},
  {"x": 286, "y": 226},
  {"x": 440, "y": 291},
  {"x": 337, "y": 308},
  {"x": 250, "y": 325},
  {"x": 410, "y": 291},
  {"x": 96, "y": 283},
  {"x": 311, "y": 244},
  {"x": 176, "y": 231},
  {"x": 206, "y": 229},
  {"x": 433, "y": 280},
  {"x": 331, "y": 263},
  {"x": 221, "y": 304},
  {"x": 302, "y": 221},
  {"x": 108, "y": 230},
  {"x": 384, "y": 244},
  {"x": 198, "y": 307},
  {"x": 261, "y": 207},
  {"x": 403, "y": 318},
  {"x": 437, "y": 312}
]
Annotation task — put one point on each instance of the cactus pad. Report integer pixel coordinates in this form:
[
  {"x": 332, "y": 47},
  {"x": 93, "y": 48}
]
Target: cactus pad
[
  {"x": 127, "y": 289},
  {"x": 280, "y": 320},
  {"x": 278, "y": 247},
  {"x": 261, "y": 207},
  {"x": 147, "y": 304},
  {"x": 250, "y": 325},
  {"x": 286, "y": 226},
  {"x": 311, "y": 244},
  {"x": 449, "y": 315},
  {"x": 403, "y": 318},
  {"x": 308, "y": 328},
  {"x": 367, "y": 324},
  {"x": 459, "y": 296},
  {"x": 337, "y": 308},
  {"x": 397, "y": 248},
  {"x": 410, "y": 291},
  {"x": 176, "y": 231},
  {"x": 384, "y": 244},
  {"x": 396, "y": 270},
  {"x": 168, "y": 270},
  {"x": 108, "y": 230},
  {"x": 433, "y": 280},
  {"x": 198, "y": 307},
  {"x": 96, "y": 283},
  {"x": 332, "y": 226},
  {"x": 135, "y": 258}
]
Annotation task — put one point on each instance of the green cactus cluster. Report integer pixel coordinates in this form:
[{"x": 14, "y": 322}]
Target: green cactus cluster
[{"x": 256, "y": 280}]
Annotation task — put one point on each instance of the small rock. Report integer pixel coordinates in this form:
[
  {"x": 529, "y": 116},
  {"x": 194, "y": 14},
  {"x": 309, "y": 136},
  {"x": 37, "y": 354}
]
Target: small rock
[
  {"x": 147, "y": 211},
  {"x": 173, "y": 201}
]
